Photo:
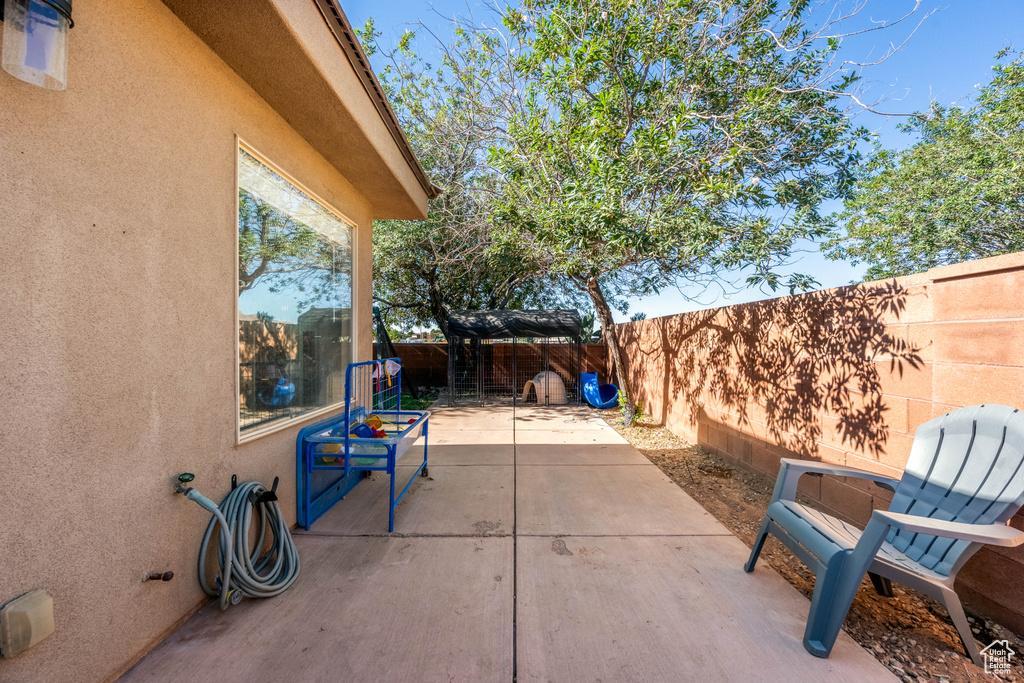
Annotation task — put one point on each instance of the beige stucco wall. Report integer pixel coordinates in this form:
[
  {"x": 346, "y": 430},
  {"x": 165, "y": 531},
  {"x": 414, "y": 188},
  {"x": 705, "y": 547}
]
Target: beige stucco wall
[{"x": 117, "y": 292}]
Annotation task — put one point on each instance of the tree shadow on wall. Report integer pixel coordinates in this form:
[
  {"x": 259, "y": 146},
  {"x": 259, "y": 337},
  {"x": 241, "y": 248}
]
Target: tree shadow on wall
[{"x": 784, "y": 363}]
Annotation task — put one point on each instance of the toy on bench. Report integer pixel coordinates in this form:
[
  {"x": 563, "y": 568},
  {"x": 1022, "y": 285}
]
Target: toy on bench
[{"x": 372, "y": 433}]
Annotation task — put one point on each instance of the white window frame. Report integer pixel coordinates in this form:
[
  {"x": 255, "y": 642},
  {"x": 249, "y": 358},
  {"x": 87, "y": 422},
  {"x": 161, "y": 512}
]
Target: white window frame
[{"x": 293, "y": 422}]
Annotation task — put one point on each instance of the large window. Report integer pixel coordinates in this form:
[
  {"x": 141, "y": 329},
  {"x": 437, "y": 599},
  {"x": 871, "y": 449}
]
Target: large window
[{"x": 294, "y": 299}]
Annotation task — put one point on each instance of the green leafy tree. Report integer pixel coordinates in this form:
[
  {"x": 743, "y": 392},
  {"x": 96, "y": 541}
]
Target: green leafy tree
[
  {"x": 652, "y": 140},
  {"x": 459, "y": 257},
  {"x": 589, "y": 333},
  {"x": 955, "y": 195}
]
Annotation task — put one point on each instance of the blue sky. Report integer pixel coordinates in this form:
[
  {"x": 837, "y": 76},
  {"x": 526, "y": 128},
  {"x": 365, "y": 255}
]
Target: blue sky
[{"x": 951, "y": 52}]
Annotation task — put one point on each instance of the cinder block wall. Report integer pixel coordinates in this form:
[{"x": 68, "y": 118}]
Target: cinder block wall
[
  {"x": 595, "y": 359},
  {"x": 426, "y": 364},
  {"x": 845, "y": 376}
]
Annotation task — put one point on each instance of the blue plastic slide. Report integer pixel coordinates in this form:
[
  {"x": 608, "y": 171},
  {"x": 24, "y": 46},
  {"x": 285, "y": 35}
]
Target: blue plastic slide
[{"x": 599, "y": 396}]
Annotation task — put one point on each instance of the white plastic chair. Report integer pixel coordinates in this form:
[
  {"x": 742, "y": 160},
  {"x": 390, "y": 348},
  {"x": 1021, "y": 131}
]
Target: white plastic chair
[{"x": 963, "y": 482}]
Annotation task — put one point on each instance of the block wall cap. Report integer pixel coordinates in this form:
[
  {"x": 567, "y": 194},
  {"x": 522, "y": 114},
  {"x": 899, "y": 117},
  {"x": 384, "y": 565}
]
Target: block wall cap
[{"x": 985, "y": 266}]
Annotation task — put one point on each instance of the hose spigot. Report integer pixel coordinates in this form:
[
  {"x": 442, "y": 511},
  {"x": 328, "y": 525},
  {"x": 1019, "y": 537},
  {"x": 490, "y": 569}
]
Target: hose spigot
[{"x": 184, "y": 478}]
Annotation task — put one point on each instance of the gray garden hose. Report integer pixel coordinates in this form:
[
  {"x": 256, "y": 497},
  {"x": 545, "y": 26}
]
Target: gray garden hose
[{"x": 242, "y": 571}]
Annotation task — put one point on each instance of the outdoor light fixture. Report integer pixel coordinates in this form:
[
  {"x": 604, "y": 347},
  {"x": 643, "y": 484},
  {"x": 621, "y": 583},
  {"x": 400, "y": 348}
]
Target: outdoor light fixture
[{"x": 35, "y": 43}]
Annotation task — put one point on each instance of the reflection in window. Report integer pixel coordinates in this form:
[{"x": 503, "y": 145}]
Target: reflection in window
[{"x": 294, "y": 299}]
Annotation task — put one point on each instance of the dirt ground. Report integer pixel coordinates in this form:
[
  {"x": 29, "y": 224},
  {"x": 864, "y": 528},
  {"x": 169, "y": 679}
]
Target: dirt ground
[{"x": 910, "y": 634}]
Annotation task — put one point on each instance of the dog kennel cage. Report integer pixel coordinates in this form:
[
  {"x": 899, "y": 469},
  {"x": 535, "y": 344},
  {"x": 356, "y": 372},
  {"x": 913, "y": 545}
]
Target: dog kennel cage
[{"x": 511, "y": 357}]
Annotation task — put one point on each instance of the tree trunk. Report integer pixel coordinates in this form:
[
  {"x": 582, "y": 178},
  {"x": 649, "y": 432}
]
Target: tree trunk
[
  {"x": 604, "y": 314},
  {"x": 440, "y": 316},
  {"x": 436, "y": 302}
]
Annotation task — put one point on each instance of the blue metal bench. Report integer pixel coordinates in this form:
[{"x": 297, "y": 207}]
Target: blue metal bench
[{"x": 331, "y": 460}]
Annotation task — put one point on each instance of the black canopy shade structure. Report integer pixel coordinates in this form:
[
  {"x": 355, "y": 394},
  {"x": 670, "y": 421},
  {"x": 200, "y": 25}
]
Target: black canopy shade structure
[
  {"x": 511, "y": 357},
  {"x": 511, "y": 324}
]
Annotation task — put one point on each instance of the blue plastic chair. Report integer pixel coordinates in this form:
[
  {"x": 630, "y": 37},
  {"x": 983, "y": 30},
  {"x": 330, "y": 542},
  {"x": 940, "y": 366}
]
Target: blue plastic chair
[
  {"x": 280, "y": 396},
  {"x": 963, "y": 482},
  {"x": 599, "y": 396}
]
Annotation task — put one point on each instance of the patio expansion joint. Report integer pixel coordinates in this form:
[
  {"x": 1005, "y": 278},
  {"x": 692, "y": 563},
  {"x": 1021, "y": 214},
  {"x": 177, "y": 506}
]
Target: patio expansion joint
[
  {"x": 570, "y": 535},
  {"x": 584, "y": 464},
  {"x": 397, "y": 534},
  {"x": 470, "y": 464},
  {"x": 515, "y": 551}
]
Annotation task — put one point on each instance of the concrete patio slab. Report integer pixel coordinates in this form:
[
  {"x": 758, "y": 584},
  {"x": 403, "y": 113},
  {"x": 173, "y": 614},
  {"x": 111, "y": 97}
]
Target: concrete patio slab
[
  {"x": 612, "y": 500},
  {"x": 477, "y": 454},
  {"x": 576, "y": 454},
  {"x": 620, "y": 576},
  {"x": 471, "y": 418},
  {"x": 453, "y": 501},
  {"x": 443, "y": 437},
  {"x": 524, "y": 410},
  {"x": 568, "y": 436},
  {"x": 665, "y": 609},
  {"x": 408, "y": 610},
  {"x": 561, "y": 422},
  {"x": 553, "y": 415}
]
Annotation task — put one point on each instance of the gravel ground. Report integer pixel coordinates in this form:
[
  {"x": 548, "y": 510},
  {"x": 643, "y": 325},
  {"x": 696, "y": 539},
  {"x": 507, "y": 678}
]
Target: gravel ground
[{"x": 910, "y": 634}]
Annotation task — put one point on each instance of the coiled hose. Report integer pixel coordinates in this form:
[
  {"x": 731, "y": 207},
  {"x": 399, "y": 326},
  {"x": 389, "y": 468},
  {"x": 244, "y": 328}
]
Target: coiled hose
[{"x": 245, "y": 572}]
